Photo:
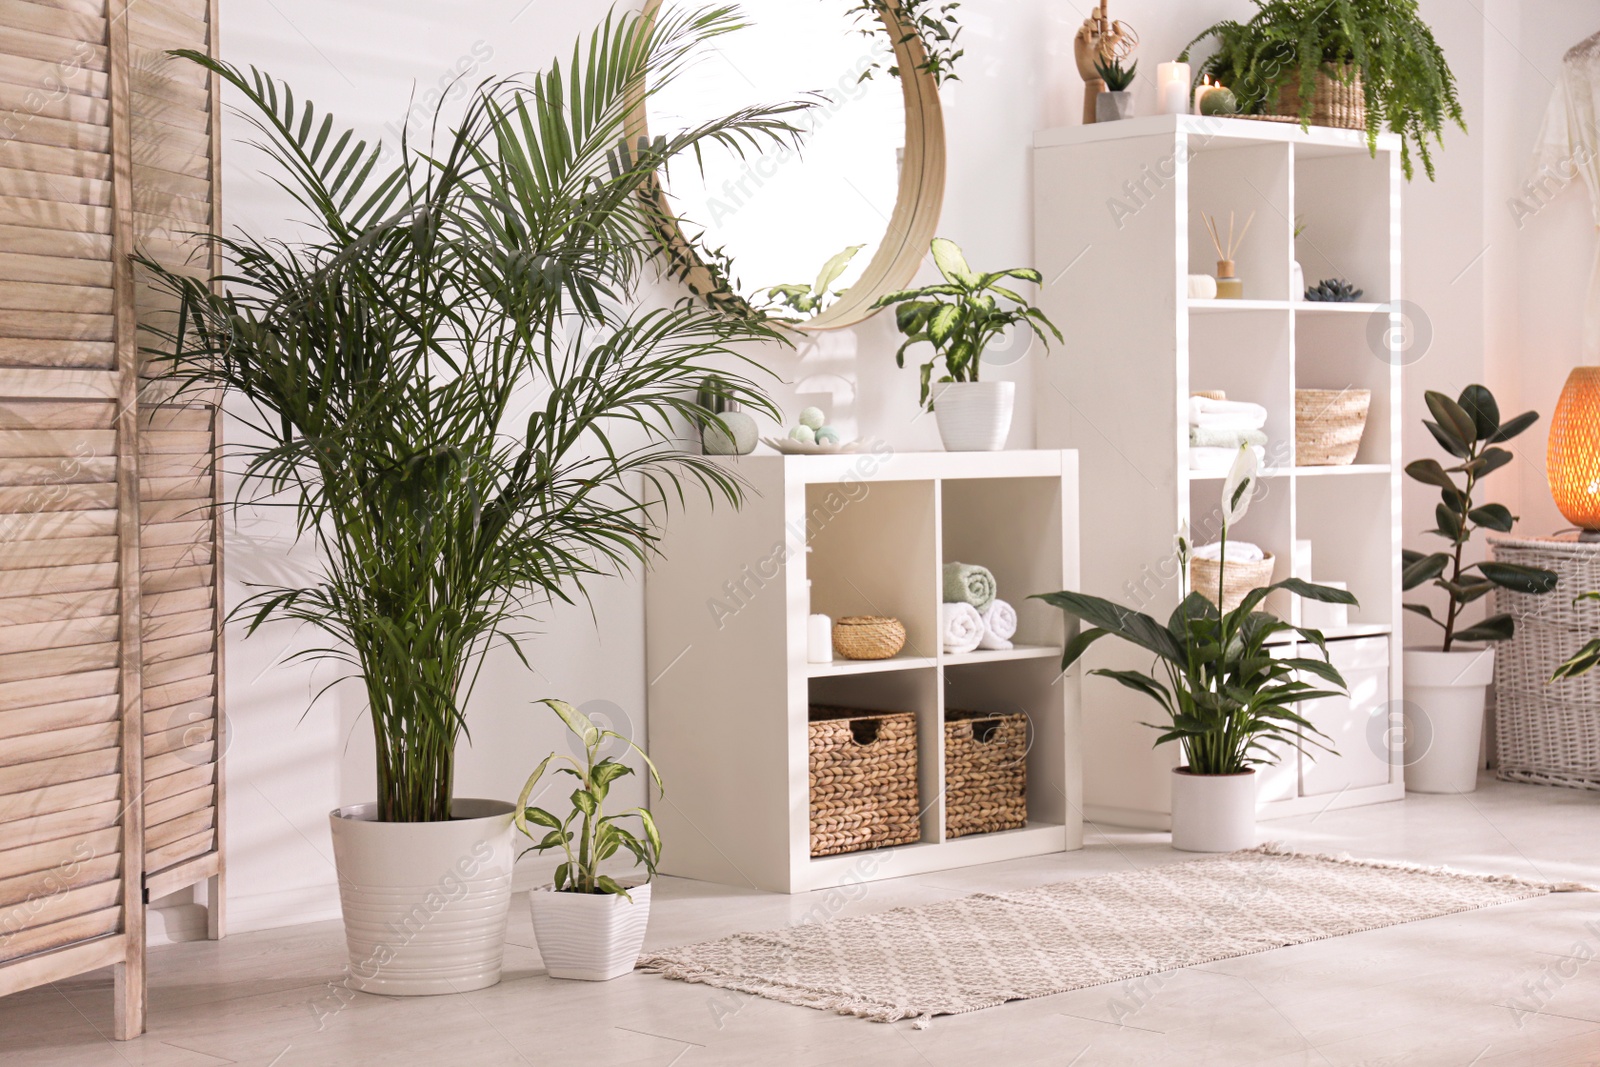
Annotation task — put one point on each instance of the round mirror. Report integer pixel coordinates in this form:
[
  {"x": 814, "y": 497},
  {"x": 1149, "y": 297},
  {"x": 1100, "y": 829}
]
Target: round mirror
[{"x": 812, "y": 234}]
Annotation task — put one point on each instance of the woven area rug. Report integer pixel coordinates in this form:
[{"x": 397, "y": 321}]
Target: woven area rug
[{"x": 983, "y": 950}]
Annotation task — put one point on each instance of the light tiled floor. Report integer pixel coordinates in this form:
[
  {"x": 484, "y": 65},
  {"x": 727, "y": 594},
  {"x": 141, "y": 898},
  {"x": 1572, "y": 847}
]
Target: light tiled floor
[{"x": 1516, "y": 984}]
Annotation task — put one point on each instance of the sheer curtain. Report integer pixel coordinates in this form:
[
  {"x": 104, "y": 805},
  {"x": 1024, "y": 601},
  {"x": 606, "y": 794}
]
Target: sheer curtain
[{"x": 1569, "y": 146}]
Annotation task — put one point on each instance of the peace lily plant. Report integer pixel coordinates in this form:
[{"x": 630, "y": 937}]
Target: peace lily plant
[{"x": 1228, "y": 702}]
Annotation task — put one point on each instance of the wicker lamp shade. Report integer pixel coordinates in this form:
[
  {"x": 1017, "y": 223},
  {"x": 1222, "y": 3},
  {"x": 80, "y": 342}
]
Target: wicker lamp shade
[{"x": 1573, "y": 460}]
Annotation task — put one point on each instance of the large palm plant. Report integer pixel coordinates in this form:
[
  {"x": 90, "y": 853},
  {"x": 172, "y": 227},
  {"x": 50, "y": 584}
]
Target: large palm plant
[{"x": 380, "y": 364}]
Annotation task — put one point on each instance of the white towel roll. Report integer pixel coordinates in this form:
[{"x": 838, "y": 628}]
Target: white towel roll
[
  {"x": 962, "y": 627},
  {"x": 1238, "y": 552},
  {"x": 1226, "y": 414},
  {"x": 999, "y": 625},
  {"x": 1202, "y": 287}
]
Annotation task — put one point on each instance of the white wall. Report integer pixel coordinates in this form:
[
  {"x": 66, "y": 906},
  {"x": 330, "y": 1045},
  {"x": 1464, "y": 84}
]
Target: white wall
[{"x": 363, "y": 60}]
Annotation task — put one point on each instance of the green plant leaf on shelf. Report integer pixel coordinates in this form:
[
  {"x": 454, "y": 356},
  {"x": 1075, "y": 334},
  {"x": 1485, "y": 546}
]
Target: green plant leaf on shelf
[{"x": 1494, "y": 628}]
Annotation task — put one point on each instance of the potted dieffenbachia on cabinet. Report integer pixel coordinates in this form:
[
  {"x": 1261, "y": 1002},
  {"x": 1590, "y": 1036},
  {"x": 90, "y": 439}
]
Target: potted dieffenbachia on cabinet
[
  {"x": 1446, "y": 686},
  {"x": 1226, "y": 699},
  {"x": 433, "y": 375},
  {"x": 960, "y": 317}
]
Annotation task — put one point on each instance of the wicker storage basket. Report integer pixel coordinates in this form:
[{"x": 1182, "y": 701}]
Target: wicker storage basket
[
  {"x": 985, "y": 772},
  {"x": 868, "y": 637},
  {"x": 1328, "y": 425},
  {"x": 1337, "y": 100},
  {"x": 863, "y": 780},
  {"x": 1242, "y": 576},
  {"x": 1548, "y": 732}
]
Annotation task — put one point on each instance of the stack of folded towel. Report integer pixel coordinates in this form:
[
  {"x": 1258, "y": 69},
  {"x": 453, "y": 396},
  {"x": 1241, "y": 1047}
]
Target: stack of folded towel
[
  {"x": 1217, "y": 428},
  {"x": 973, "y": 616}
]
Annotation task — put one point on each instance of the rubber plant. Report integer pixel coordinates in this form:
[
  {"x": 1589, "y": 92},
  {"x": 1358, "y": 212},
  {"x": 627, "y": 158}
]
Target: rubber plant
[
  {"x": 1471, "y": 430},
  {"x": 444, "y": 381},
  {"x": 1406, "y": 83},
  {"x": 961, "y": 315},
  {"x": 1228, "y": 701}
]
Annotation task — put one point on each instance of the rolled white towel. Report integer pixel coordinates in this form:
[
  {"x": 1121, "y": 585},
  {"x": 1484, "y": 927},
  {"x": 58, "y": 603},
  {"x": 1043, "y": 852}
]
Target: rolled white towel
[
  {"x": 961, "y": 627},
  {"x": 1226, "y": 414},
  {"x": 1219, "y": 459},
  {"x": 999, "y": 625},
  {"x": 1238, "y": 552},
  {"x": 1202, "y": 287}
]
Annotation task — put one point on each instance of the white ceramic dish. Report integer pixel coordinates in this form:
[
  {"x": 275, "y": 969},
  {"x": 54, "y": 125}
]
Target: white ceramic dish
[{"x": 790, "y": 447}]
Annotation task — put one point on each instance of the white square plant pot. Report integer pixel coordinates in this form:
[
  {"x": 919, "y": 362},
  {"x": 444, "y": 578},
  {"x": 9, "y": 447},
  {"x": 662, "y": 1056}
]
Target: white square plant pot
[{"x": 593, "y": 937}]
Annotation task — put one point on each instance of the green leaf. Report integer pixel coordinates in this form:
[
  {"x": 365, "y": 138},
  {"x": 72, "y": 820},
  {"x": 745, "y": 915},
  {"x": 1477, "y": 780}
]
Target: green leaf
[
  {"x": 835, "y": 266},
  {"x": 1449, "y": 522},
  {"x": 1424, "y": 611},
  {"x": 1079, "y": 644},
  {"x": 951, "y": 263},
  {"x": 1512, "y": 427},
  {"x": 1494, "y": 628},
  {"x": 1423, "y": 569},
  {"x": 1449, "y": 443},
  {"x": 1132, "y": 626},
  {"x": 1518, "y": 578},
  {"x": 1580, "y": 662},
  {"x": 943, "y": 323},
  {"x": 1492, "y": 459},
  {"x": 607, "y": 884},
  {"x": 1430, "y": 472},
  {"x": 553, "y": 839},
  {"x": 1452, "y": 418},
  {"x": 585, "y": 802},
  {"x": 1493, "y": 517},
  {"x": 1480, "y": 404},
  {"x": 575, "y": 720},
  {"x": 540, "y": 817}
]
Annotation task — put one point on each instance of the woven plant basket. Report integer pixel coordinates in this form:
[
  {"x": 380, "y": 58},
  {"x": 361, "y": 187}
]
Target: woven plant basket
[
  {"x": 1335, "y": 101},
  {"x": 985, "y": 772},
  {"x": 1548, "y": 733},
  {"x": 1328, "y": 424},
  {"x": 1242, "y": 576},
  {"x": 868, "y": 637},
  {"x": 863, "y": 780}
]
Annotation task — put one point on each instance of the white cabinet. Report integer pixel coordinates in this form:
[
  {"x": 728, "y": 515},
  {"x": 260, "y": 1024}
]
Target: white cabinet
[{"x": 1357, "y": 726}]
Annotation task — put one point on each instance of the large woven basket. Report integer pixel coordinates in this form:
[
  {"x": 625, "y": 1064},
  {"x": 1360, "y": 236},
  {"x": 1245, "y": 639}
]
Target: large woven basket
[
  {"x": 863, "y": 780},
  {"x": 1338, "y": 99},
  {"x": 1548, "y": 732},
  {"x": 1242, "y": 576},
  {"x": 1328, "y": 424},
  {"x": 985, "y": 772},
  {"x": 868, "y": 637}
]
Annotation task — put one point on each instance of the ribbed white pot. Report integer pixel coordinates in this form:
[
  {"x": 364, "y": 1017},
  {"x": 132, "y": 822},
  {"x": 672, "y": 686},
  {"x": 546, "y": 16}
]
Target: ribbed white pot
[
  {"x": 424, "y": 903},
  {"x": 974, "y": 416},
  {"x": 1213, "y": 812},
  {"x": 1445, "y": 695},
  {"x": 594, "y": 937}
]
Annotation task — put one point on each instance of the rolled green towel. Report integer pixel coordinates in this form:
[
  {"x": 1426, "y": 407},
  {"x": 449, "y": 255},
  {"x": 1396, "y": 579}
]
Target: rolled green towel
[
  {"x": 1209, "y": 437},
  {"x": 968, "y": 583}
]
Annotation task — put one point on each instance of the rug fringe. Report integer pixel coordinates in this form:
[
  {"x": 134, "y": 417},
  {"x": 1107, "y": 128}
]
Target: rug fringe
[
  {"x": 1278, "y": 848},
  {"x": 872, "y": 1011}
]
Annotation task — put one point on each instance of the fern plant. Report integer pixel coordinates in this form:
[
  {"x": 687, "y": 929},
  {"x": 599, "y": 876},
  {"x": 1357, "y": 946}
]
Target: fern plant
[
  {"x": 442, "y": 382},
  {"x": 1407, "y": 84}
]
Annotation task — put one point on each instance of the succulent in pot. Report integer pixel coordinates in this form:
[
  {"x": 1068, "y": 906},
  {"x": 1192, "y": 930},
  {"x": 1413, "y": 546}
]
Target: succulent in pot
[
  {"x": 589, "y": 924},
  {"x": 1116, "y": 102}
]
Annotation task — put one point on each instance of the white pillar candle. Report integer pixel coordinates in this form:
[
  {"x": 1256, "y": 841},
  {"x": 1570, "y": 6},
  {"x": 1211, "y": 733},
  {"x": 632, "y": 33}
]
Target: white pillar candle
[
  {"x": 1206, "y": 85},
  {"x": 1172, "y": 83}
]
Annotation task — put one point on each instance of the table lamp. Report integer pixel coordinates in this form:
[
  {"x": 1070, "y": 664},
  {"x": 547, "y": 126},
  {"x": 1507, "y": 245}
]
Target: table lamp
[{"x": 1572, "y": 462}]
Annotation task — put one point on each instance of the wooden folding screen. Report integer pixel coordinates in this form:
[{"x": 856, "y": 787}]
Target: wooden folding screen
[{"x": 110, "y": 666}]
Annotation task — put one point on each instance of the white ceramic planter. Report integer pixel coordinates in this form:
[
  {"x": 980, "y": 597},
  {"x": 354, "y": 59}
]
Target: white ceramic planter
[
  {"x": 594, "y": 937},
  {"x": 1445, "y": 693},
  {"x": 424, "y": 903},
  {"x": 1213, "y": 812},
  {"x": 974, "y": 416}
]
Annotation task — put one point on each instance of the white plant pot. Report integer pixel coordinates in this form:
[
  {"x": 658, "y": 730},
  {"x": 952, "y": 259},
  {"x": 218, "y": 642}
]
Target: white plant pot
[
  {"x": 1445, "y": 694},
  {"x": 424, "y": 903},
  {"x": 593, "y": 937},
  {"x": 1110, "y": 106},
  {"x": 974, "y": 416},
  {"x": 1213, "y": 812}
]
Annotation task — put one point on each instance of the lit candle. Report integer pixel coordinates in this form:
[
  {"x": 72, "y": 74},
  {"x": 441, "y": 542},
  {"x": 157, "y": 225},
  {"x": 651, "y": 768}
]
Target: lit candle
[
  {"x": 1200, "y": 91},
  {"x": 1172, "y": 82}
]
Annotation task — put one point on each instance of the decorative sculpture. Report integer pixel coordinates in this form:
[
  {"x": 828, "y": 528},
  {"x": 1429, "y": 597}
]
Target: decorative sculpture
[{"x": 1100, "y": 40}]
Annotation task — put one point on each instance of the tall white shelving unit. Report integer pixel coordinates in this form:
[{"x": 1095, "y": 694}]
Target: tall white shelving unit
[
  {"x": 1117, "y": 231},
  {"x": 730, "y": 687}
]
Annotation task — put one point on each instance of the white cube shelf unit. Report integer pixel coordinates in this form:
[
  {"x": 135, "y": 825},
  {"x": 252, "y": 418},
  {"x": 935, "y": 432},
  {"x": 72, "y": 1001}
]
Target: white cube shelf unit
[
  {"x": 1117, "y": 231},
  {"x": 730, "y": 686}
]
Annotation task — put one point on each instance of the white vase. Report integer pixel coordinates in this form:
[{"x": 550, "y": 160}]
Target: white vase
[
  {"x": 1213, "y": 812},
  {"x": 593, "y": 937},
  {"x": 1297, "y": 281},
  {"x": 1445, "y": 694},
  {"x": 974, "y": 416},
  {"x": 424, "y": 903},
  {"x": 739, "y": 439}
]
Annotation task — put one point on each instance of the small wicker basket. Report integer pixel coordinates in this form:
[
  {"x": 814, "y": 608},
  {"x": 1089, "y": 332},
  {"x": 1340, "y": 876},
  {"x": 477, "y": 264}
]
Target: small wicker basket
[
  {"x": 863, "y": 780},
  {"x": 1242, "y": 576},
  {"x": 868, "y": 637},
  {"x": 1338, "y": 99},
  {"x": 985, "y": 771},
  {"x": 1328, "y": 424}
]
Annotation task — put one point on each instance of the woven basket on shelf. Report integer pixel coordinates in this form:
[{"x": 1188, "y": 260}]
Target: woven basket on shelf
[
  {"x": 1242, "y": 576},
  {"x": 1337, "y": 100},
  {"x": 985, "y": 772},
  {"x": 1328, "y": 425},
  {"x": 863, "y": 780},
  {"x": 868, "y": 637},
  {"x": 1548, "y": 732}
]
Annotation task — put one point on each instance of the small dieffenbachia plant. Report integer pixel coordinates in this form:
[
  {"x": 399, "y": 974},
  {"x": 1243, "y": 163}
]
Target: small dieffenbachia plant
[
  {"x": 1230, "y": 703},
  {"x": 961, "y": 315},
  {"x": 1470, "y": 429},
  {"x": 588, "y": 836},
  {"x": 811, "y": 300}
]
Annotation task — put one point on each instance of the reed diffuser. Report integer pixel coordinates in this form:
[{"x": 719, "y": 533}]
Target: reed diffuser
[{"x": 1229, "y": 285}]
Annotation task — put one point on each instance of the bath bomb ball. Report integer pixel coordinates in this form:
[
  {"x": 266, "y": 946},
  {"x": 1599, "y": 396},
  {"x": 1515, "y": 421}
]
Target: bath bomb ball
[
  {"x": 812, "y": 418},
  {"x": 803, "y": 434},
  {"x": 827, "y": 435}
]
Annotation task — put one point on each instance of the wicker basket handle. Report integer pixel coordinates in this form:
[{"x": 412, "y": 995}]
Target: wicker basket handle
[
  {"x": 984, "y": 730},
  {"x": 865, "y": 731}
]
